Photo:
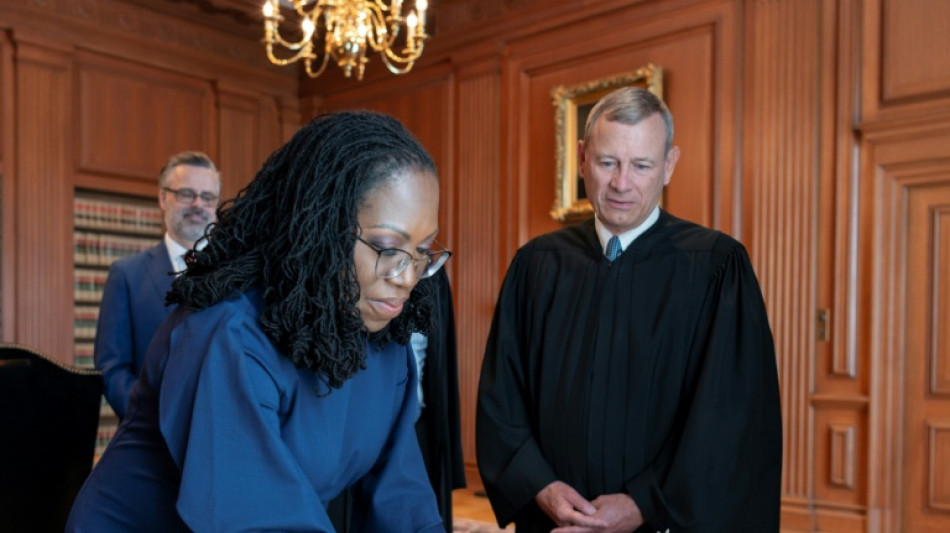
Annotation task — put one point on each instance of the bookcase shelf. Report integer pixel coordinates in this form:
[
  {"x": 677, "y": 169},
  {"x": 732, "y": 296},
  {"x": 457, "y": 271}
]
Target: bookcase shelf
[{"x": 106, "y": 227}]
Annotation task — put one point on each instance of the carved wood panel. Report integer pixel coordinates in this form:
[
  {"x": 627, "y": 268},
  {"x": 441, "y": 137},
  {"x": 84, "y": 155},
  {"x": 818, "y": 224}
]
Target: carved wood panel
[
  {"x": 924, "y": 226},
  {"x": 911, "y": 31},
  {"x": 907, "y": 197},
  {"x": 7, "y": 215},
  {"x": 903, "y": 74},
  {"x": 240, "y": 148},
  {"x": 42, "y": 205},
  {"x": 132, "y": 117},
  {"x": 479, "y": 194}
]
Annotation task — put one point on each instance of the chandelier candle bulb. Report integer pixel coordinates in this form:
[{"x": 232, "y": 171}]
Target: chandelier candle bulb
[
  {"x": 411, "y": 24},
  {"x": 421, "y": 6}
]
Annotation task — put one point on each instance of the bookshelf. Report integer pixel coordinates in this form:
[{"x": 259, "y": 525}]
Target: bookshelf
[{"x": 106, "y": 227}]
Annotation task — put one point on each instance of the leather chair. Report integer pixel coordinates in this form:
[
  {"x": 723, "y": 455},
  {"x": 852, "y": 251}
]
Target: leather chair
[{"x": 49, "y": 418}]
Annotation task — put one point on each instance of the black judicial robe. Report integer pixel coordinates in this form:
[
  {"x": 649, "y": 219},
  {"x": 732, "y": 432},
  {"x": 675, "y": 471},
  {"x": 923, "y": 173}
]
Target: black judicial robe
[
  {"x": 439, "y": 429},
  {"x": 654, "y": 376}
]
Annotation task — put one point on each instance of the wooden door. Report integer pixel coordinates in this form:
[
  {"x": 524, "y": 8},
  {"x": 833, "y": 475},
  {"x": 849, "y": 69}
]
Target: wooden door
[{"x": 925, "y": 440}]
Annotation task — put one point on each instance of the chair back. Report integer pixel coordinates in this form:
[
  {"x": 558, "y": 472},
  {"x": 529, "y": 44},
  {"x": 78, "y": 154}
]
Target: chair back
[{"x": 49, "y": 418}]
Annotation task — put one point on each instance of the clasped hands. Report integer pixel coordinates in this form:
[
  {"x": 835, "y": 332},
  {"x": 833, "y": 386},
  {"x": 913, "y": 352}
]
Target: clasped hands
[{"x": 610, "y": 513}]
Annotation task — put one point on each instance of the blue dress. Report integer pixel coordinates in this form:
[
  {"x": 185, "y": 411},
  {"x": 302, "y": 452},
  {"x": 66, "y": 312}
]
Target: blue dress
[{"x": 225, "y": 434}]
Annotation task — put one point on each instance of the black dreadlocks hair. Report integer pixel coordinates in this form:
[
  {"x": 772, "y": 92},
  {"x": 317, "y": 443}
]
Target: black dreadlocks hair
[{"x": 291, "y": 233}]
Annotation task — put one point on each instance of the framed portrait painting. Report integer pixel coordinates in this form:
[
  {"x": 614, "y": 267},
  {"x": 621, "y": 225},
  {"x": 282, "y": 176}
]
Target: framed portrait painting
[{"x": 572, "y": 105}]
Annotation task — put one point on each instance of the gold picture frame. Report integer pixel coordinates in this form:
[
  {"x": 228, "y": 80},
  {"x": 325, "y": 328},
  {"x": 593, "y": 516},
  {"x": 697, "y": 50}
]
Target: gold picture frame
[{"x": 571, "y": 106}]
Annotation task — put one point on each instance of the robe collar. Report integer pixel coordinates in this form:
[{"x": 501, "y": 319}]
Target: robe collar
[{"x": 627, "y": 237}]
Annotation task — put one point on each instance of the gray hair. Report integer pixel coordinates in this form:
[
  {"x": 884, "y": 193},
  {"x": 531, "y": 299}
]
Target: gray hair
[
  {"x": 630, "y": 105},
  {"x": 189, "y": 158}
]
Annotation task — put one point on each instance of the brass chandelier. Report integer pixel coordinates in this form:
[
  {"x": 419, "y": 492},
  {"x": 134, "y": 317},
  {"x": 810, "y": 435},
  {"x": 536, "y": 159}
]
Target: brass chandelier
[{"x": 349, "y": 28}]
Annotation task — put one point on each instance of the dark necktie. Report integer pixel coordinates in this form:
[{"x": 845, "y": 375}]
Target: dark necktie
[{"x": 613, "y": 249}]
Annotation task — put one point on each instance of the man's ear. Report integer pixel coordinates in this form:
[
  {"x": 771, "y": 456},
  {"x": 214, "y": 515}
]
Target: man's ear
[{"x": 671, "y": 158}]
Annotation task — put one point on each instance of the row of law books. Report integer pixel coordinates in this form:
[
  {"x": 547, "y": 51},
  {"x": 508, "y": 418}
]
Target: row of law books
[
  {"x": 83, "y": 352},
  {"x": 106, "y": 227},
  {"x": 112, "y": 215},
  {"x": 88, "y": 284},
  {"x": 85, "y": 318},
  {"x": 90, "y": 248}
]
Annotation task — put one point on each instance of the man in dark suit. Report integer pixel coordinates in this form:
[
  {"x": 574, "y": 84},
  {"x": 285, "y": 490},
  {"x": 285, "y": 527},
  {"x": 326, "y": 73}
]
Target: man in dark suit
[{"x": 133, "y": 300}]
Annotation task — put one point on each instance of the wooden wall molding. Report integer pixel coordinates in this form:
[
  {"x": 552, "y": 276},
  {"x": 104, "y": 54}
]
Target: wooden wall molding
[
  {"x": 152, "y": 37},
  {"x": 938, "y": 465},
  {"x": 478, "y": 205},
  {"x": 117, "y": 100},
  {"x": 44, "y": 296},
  {"x": 246, "y": 140},
  {"x": 8, "y": 189},
  {"x": 938, "y": 345},
  {"x": 907, "y": 184},
  {"x": 784, "y": 134},
  {"x": 843, "y": 455},
  {"x": 902, "y": 75}
]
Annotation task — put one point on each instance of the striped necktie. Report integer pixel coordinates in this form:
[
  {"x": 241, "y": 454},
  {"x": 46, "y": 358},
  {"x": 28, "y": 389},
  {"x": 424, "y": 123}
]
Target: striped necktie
[{"x": 613, "y": 249}]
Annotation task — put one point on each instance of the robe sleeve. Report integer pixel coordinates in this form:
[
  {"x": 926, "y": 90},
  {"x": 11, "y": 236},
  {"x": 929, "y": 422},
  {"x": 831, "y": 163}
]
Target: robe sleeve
[
  {"x": 395, "y": 496},
  {"x": 510, "y": 462},
  {"x": 721, "y": 472},
  {"x": 222, "y": 427}
]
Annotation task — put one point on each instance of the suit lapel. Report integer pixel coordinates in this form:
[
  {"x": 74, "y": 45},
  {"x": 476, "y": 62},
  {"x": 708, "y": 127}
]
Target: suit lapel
[{"x": 159, "y": 268}]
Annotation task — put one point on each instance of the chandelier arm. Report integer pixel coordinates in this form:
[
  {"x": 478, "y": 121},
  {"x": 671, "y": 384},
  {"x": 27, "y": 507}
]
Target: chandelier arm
[
  {"x": 279, "y": 39},
  {"x": 323, "y": 65},
  {"x": 282, "y": 62},
  {"x": 392, "y": 67},
  {"x": 391, "y": 32},
  {"x": 410, "y": 58},
  {"x": 301, "y": 8}
]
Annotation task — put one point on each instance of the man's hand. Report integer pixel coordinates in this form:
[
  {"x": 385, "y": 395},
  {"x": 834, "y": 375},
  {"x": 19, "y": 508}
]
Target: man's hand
[
  {"x": 617, "y": 512},
  {"x": 567, "y": 507}
]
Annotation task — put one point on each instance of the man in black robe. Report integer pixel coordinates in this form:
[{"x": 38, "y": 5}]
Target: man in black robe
[{"x": 639, "y": 393}]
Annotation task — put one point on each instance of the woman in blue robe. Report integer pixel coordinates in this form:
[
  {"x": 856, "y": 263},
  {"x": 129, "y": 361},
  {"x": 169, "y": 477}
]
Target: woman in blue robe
[{"x": 283, "y": 377}]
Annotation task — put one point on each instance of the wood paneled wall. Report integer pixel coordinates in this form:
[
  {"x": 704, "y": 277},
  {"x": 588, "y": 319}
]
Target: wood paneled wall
[
  {"x": 813, "y": 130},
  {"x": 97, "y": 95}
]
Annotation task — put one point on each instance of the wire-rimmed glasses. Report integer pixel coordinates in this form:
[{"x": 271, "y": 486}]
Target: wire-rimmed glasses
[
  {"x": 187, "y": 196},
  {"x": 390, "y": 262}
]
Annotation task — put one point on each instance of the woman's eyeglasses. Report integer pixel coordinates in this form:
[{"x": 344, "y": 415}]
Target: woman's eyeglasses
[{"x": 390, "y": 262}]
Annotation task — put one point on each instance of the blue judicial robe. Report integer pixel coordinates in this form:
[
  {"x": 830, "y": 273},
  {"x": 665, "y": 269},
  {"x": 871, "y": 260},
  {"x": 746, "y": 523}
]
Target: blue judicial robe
[{"x": 224, "y": 433}]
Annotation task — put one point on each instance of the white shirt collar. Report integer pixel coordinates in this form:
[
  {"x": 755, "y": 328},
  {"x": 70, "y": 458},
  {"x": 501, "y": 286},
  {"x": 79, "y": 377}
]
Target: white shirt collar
[{"x": 628, "y": 236}]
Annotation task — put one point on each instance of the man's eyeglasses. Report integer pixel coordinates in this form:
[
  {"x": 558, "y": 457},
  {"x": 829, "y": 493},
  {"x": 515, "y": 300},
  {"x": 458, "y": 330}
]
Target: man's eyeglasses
[
  {"x": 187, "y": 196},
  {"x": 390, "y": 262}
]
